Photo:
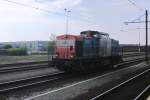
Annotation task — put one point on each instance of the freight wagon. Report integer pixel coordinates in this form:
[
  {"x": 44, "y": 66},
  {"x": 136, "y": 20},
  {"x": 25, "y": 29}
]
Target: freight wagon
[{"x": 88, "y": 51}]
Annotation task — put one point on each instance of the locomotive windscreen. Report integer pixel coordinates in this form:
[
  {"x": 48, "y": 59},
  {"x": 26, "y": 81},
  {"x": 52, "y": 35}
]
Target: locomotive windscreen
[{"x": 65, "y": 43}]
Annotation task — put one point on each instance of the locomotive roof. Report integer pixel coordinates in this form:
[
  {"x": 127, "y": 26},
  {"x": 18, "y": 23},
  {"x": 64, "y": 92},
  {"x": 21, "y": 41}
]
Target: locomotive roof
[{"x": 94, "y": 32}]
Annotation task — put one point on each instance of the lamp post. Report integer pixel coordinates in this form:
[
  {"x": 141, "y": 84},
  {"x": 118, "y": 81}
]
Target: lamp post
[
  {"x": 67, "y": 19},
  {"x": 146, "y": 32},
  {"x": 139, "y": 47},
  {"x": 139, "y": 42},
  {"x": 146, "y": 25}
]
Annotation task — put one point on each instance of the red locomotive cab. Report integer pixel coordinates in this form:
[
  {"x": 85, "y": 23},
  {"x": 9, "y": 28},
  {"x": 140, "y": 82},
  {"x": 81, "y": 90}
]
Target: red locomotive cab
[{"x": 66, "y": 46}]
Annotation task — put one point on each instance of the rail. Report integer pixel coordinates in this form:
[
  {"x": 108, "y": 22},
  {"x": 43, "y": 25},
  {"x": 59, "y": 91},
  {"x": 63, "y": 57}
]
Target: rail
[
  {"x": 112, "y": 90},
  {"x": 144, "y": 94},
  {"x": 15, "y": 84},
  {"x": 10, "y": 85}
]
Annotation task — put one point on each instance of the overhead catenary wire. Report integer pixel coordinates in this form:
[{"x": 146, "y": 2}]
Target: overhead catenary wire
[
  {"x": 139, "y": 18},
  {"x": 136, "y": 20},
  {"x": 135, "y": 5},
  {"x": 30, "y": 6},
  {"x": 48, "y": 11}
]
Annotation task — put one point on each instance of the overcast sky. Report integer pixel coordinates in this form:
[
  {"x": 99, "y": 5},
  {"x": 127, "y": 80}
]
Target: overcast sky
[{"x": 19, "y": 23}]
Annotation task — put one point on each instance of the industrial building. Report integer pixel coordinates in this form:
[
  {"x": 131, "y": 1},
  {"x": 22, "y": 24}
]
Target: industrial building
[{"x": 32, "y": 46}]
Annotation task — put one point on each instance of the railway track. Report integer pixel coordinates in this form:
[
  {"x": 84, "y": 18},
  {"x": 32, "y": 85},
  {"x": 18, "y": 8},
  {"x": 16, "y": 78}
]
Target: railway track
[
  {"x": 133, "y": 54},
  {"x": 129, "y": 62},
  {"x": 15, "y": 84},
  {"x": 6, "y": 68},
  {"x": 116, "y": 92},
  {"x": 22, "y": 63},
  {"x": 144, "y": 95}
]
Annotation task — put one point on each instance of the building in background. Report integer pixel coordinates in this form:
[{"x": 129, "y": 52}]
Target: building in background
[
  {"x": 1, "y": 45},
  {"x": 31, "y": 46}
]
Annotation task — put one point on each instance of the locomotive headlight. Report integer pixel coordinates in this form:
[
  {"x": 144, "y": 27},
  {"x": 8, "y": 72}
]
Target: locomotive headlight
[
  {"x": 57, "y": 54},
  {"x": 72, "y": 55}
]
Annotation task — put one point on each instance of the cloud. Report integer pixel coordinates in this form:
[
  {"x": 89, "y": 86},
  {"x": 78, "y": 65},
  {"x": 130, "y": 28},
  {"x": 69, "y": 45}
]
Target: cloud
[
  {"x": 25, "y": 23},
  {"x": 65, "y": 3}
]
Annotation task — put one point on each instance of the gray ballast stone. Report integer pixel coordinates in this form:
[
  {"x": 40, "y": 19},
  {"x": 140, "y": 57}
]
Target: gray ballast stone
[
  {"x": 11, "y": 76},
  {"x": 85, "y": 87}
]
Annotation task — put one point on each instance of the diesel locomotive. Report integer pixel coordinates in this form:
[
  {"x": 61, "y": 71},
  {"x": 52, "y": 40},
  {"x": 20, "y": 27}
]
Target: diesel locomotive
[{"x": 88, "y": 51}]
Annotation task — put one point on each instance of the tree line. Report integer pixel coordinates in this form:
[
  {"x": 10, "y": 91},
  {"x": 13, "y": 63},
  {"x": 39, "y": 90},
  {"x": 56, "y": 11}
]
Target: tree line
[{"x": 9, "y": 50}]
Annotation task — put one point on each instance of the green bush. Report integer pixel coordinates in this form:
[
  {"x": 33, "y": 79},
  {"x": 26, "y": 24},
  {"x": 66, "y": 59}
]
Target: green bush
[{"x": 17, "y": 51}]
